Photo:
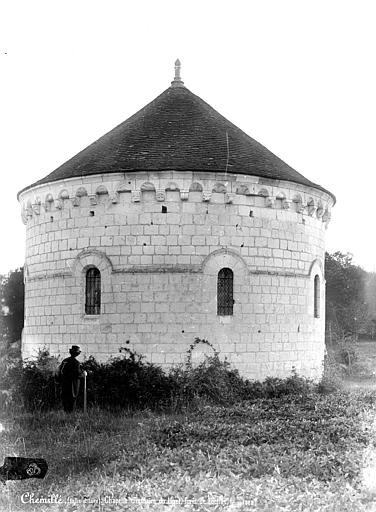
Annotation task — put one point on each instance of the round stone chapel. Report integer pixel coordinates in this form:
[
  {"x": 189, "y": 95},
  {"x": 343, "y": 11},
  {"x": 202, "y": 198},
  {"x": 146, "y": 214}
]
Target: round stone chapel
[{"x": 176, "y": 225}]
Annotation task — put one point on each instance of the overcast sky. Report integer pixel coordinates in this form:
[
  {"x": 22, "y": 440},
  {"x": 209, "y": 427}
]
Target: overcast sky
[{"x": 298, "y": 76}]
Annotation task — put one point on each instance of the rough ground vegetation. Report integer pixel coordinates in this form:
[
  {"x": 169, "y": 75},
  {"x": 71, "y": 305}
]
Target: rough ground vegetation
[{"x": 296, "y": 452}]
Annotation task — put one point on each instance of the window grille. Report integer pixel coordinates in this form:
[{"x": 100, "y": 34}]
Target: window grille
[
  {"x": 225, "y": 292},
  {"x": 316, "y": 292},
  {"x": 93, "y": 292}
]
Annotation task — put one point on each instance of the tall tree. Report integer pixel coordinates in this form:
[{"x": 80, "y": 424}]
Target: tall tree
[
  {"x": 347, "y": 311},
  {"x": 12, "y": 306},
  {"x": 370, "y": 294}
]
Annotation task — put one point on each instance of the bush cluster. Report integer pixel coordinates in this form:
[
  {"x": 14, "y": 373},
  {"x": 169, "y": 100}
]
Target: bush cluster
[
  {"x": 31, "y": 384},
  {"x": 274, "y": 387},
  {"x": 127, "y": 381}
]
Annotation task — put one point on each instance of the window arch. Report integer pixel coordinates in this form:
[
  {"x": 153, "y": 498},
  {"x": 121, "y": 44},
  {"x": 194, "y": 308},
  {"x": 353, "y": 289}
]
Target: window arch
[
  {"x": 93, "y": 292},
  {"x": 225, "y": 292},
  {"x": 316, "y": 296}
]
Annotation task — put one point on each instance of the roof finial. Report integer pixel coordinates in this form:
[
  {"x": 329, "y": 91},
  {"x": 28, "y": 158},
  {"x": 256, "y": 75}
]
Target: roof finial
[
  {"x": 177, "y": 70},
  {"x": 177, "y": 82}
]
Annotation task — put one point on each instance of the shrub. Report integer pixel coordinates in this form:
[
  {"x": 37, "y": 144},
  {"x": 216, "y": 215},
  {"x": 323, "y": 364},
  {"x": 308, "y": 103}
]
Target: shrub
[
  {"x": 215, "y": 382},
  {"x": 32, "y": 384},
  {"x": 344, "y": 353},
  {"x": 274, "y": 387},
  {"x": 212, "y": 381},
  {"x": 127, "y": 381}
]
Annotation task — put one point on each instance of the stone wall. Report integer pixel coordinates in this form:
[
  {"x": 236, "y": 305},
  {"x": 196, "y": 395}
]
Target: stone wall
[{"x": 159, "y": 241}]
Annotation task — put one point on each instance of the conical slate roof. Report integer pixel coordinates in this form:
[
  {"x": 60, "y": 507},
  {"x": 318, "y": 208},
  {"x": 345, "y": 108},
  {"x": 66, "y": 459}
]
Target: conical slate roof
[{"x": 177, "y": 131}]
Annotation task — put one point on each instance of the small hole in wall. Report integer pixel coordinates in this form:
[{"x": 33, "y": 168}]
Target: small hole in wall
[
  {"x": 51, "y": 219},
  {"x": 242, "y": 245},
  {"x": 250, "y": 213},
  {"x": 91, "y": 213},
  {"x": 164, "y": 209},
  {"x": 259, "y": 331},
  {"x": 182, "y": 331},
  {"x": 151, "y": 223},
  {"x": 144, "y": 244}
]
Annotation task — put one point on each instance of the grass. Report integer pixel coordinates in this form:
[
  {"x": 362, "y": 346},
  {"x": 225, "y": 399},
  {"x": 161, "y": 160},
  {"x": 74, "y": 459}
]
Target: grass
[{"x": 293, "y": 453}]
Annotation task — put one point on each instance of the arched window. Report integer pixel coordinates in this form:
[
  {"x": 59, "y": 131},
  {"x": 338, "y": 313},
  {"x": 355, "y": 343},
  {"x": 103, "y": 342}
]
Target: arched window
[
  {"x": 225, "y": 292},
  {"x": 93, "y": 292},
  {"x": 316, "y": 297}
]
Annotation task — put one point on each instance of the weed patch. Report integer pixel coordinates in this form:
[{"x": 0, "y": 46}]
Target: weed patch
[
  {"x": 302, "y": 452},
  {"x": 307, "y": 437},
  {"x": 129, "y": 382}
]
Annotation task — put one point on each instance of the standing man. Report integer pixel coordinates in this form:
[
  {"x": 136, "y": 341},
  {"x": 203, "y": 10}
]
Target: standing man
[{"x": 70, "y": 373}]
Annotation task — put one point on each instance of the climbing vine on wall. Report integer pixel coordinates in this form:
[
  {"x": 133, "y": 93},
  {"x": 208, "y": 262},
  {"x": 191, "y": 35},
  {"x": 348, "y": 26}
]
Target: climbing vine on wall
[{"x": 192, "y": 346}]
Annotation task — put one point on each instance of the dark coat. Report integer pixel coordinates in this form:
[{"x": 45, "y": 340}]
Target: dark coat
[{"x": 69, "y": 375}]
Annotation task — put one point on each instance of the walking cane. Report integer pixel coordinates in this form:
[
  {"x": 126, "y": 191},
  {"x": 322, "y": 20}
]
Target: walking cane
[{"x": 85, "y": 402}]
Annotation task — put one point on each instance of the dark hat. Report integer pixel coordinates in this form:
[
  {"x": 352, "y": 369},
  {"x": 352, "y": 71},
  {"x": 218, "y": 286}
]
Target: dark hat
[{"x": 75, "y": 349}]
